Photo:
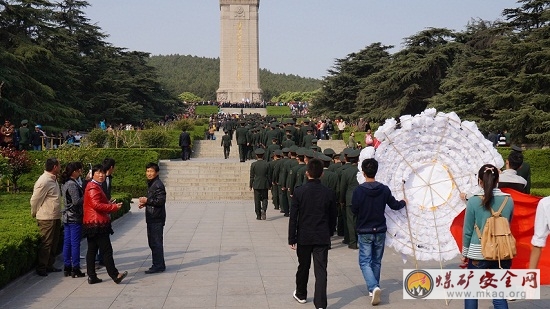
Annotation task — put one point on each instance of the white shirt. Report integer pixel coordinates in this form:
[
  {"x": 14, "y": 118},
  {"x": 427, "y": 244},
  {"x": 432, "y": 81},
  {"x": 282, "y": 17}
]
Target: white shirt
[
  {"x": 542, "y": 223},
  {"x": 511, "y": 176}
]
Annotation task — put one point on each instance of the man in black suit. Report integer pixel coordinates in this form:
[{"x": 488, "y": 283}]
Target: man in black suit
[
  {"x": 226, "y": 144},
  {"x": 312, "y": 222},
  {"x": 185, "y": 144}
]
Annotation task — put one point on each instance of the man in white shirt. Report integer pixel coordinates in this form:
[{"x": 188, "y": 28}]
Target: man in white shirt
[
  {"x": 509, "y": 178},
  {"x": 542, "y": 229}
]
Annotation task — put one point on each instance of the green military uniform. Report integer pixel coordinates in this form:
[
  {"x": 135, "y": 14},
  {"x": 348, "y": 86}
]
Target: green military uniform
[
  {"x": 274, "y": 186},
  {"x": 348, "y": 183},
  {"x": 270, "y": 150},
  {"x": 294, "y": 179},
  {"x": 306, "y": 140},
  {"x": 241, "y": 136},
  {"x": 281, "y": 181},
  {"x": 342, "y": 226},
  {"x": 524, "y": 170},
  {"x": 260, "y": 182},
  {"x": 24, "y": 136},
  {"x": 288, "y": 142},
  {"x": 329, "y": 178}
]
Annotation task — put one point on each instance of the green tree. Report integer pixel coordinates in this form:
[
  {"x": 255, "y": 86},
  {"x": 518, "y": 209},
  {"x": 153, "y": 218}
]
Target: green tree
[
  {"x": 189, "y": 97},
  {"x": 339, "y": 91},
  {"x": 407, "y": 82}
]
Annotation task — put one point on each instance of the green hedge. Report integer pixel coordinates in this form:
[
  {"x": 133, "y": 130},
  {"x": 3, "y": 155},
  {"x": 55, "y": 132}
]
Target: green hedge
[
  {"x": 539, "y": 159},
  {"x": 20, "y": 237},
  {"x": 129, "y": 174}
]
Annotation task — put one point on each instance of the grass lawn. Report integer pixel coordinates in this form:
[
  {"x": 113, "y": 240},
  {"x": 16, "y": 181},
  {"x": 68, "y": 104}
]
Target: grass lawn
[
  {"x": 278, "y": 111},
  {"x": 206, "y": 110}
]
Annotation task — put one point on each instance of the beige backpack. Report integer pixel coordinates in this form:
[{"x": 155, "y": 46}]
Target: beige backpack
[{"x": 497, "y": 241}]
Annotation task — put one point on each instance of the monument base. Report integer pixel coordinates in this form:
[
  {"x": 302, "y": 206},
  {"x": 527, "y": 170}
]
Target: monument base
[{"x": 250, "y": 96}]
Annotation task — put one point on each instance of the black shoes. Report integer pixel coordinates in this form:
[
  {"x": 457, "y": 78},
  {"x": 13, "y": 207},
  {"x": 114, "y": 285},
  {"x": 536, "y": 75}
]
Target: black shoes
[
  {"x": 353, "y": 246},
  {"x": 77, "y": 273},
  {"x": 154, "y": 270},
  {"x": 53, "y": 270},
  {"x": 67, "y": 271},
  {"x": 42, "y": 273},
  {"x": 94, "y": 280},
  {"x": 120, "y": 277}
]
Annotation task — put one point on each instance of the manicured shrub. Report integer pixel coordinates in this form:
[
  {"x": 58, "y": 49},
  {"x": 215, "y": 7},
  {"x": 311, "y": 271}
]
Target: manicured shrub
[
  {"x": 97, "y": 138},
  {"x": 180, "y": 125},
  {"x": 154, "y": 138},
  {"x": 19, "y": 235}
]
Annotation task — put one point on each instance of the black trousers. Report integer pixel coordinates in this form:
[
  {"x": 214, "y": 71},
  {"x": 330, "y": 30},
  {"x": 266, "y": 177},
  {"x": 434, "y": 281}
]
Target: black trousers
[
  {"x": 242, "y": 152},
  {"x": 100, "y": 242},
  {"x": 320, "y": 261},
  {"x": 155, "y": 240},
  {"x": 260, "y": 201},
  {"x": 226, "y": 150},
  {"x": 185, "y": 152}
]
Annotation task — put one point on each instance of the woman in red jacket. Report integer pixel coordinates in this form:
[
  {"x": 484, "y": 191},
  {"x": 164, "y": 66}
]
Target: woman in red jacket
[{"x": 97, "y": 227}]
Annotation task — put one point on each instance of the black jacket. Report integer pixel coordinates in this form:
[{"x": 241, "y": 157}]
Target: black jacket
[
  {"x": 74, "y": 201},
  {"x": 185, "y": 139},
  {"x": 369, "y": 203},
  {"x": 312, "y": 215},
  {"x": 155, "y": 208}
]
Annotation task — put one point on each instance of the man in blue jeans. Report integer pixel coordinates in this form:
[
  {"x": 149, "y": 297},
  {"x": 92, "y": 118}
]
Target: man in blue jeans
[
  {"x": 368, "y": 203},
  {"x": 155, "y": 216}
]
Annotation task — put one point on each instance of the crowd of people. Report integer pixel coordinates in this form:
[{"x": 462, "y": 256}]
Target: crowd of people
[
  {"x": 319, "y": 192},
  {"x": 88, "y": 205}
]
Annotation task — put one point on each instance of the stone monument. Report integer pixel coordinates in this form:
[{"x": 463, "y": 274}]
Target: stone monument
[{"x": 239, "y": 52}]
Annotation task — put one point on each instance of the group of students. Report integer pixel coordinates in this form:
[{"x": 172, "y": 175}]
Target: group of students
[{"x": 87, "y": 210}]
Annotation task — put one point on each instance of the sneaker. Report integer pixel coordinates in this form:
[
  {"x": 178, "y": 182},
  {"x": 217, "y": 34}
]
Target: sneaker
[
  {"x": 375, "y": 296},
  {"x": 301, "y": 301}
]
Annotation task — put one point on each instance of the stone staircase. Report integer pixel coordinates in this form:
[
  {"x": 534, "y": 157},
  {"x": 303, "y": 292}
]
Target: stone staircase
[
  {"x": 206, "y": 179},
  {"x": 208, "y": 176}
]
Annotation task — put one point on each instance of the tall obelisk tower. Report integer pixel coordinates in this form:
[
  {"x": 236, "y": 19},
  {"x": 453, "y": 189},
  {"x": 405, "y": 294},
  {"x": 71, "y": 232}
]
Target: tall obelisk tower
[{"x": 239, "y": 54}]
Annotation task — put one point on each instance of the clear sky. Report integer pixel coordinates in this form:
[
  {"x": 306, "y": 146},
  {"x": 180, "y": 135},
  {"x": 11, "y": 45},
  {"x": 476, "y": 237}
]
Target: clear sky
[{"x": 301, "y": 37}]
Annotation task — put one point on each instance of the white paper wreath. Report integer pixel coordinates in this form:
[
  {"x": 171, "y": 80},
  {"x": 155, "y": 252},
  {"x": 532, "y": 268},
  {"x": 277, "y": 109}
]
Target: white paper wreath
[{"x": 429, "y": 159}]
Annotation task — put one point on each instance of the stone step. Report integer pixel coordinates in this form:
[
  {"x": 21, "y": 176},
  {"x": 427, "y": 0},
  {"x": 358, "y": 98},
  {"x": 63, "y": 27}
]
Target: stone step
[{"x": 206, "y": 179}]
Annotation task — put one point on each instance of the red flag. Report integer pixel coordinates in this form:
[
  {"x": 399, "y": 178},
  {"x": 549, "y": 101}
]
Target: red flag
[{"x": 522, "y": 226}]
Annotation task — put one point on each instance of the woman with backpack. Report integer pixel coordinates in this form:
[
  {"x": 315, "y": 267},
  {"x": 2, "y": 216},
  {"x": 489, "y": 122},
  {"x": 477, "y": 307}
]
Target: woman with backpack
[{"x": 478, "y": 210}]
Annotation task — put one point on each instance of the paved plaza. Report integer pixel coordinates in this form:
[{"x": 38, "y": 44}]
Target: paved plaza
[{"x": 219, "y": 256}]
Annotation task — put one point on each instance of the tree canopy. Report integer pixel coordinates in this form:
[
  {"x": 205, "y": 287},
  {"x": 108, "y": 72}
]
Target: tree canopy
[
  {"x": 57, "y": 69},
  {"x": 496, "y": 73}
]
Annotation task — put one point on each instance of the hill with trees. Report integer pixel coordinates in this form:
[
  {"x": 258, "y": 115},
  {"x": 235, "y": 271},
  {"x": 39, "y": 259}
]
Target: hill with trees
[
  {"x": 201, "y": 76},
  {"x": 56, "y": 69},
  {"x": 494, "y": 73}
]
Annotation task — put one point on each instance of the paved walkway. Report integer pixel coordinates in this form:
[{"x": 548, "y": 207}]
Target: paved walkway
[{"x": 219, "y": 256}]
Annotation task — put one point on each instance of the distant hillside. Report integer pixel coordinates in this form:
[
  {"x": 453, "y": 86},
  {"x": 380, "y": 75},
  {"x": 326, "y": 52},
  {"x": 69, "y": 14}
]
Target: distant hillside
[{"x": 201, "y": 76}]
